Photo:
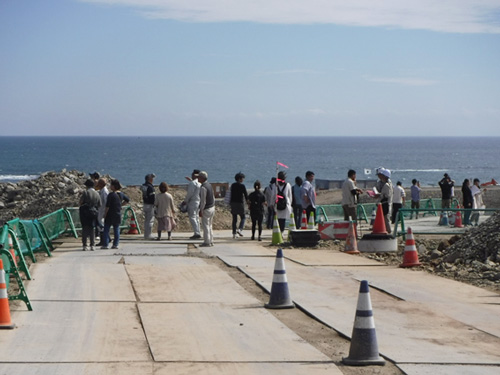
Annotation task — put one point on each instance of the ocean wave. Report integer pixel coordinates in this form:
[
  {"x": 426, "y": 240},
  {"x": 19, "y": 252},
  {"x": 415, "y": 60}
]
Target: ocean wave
[{"x": 14, "y": 177}]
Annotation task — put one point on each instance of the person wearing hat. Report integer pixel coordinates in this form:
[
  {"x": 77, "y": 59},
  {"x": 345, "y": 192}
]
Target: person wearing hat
[
  {"x": 148, "y": 199},
  {"x": 446, "y": 184},
  {"x": 385, "y": 196},
  {"x": 192, "y": 201},
  {"x": 207, "y": 209},
  {"x": 89, "y": 207}
]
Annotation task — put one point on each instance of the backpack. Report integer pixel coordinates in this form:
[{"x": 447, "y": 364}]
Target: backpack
[{"x": 281, "y": 203}]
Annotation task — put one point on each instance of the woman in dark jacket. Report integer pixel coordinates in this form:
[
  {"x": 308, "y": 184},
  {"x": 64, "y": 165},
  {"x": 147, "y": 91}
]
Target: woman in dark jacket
[
  {"x": 256, "y": 201},
  {"x": 467, "y": 200},
  {"x": 113, "y": 214}
]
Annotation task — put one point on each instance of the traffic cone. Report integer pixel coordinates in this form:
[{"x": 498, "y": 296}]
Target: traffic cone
[
  {"x": 458, "y": 219},
  {"x": 310, "y": 224},
  {"x": 351, "y": 243},
  {"x": 374, "y": 215},
  {"x": 280, "y": 296},
  {"x": 5, "y": 320},
  {"x": 410, "y": 256},
  {"x": 379, "y": 224},
  {"x": 277, "y": 237},
  {"x": 303, "y": 224},
  {"x": 443, "y": 219},
  {"x": 291, "y": 227},
  {"x": 364, "y": 347},
  {"x": 12, "y": 250},
  {"x": 133, "y": 226}
]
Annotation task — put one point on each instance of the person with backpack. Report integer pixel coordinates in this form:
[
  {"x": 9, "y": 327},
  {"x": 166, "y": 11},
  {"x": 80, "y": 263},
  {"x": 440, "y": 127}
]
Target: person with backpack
[
  {"x": 282, "y": 192},
  {"x": 89, "y": 208},
  {"x": 256, "y": 201}
]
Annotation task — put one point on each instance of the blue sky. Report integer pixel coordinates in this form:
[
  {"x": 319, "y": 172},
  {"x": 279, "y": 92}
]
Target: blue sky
[{"x": 275, "y": 67}]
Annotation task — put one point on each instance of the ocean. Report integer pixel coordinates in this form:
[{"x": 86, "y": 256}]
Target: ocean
[{"x": 129, "y": 159}]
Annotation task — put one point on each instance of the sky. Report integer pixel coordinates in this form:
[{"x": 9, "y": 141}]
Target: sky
[{"x": 250, "y": 67}]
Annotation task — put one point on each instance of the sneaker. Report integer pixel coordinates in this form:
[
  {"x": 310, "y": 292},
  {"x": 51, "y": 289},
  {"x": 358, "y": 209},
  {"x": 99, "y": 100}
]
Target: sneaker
[
  {"x": 260, "y": 239},
  {"x": 234, "y": 236},
  {"x": 205, "y": 245},
  {"x": 92, "y": 248},
  {"x": 104, "y": 247},
  {"x": 114, "y": 247},
  {"x": 85, "y": 248},
  {"x": 240, "y": 232},
  {"x": 195, "y": 237},
  {"x": 253, "y": 238}
]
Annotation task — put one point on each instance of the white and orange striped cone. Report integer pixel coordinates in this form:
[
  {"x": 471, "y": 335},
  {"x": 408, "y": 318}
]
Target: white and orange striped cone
[
  {"x": 277, "y": 237},
  {"x": 364, "y": 347},
  {"x": 410, "y": 256},
  {"x": 458, "y": 219},
  {"x": 280, "y": 296},
  {"x": 351, "y": 243},
  {"x": 12, "y": 251},
  {"x": 5, "y": 319},
  {"x": 291, "y": 227},
  {"x": 303, "y": 223},
  {"x": 133, "y": 226},
  {"x": 311, "y": 224}
]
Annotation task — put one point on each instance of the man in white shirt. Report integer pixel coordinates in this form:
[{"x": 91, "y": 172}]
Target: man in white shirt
[
  {"x": 192, "y": 201},
  {"x": 398, "y": 200},
  {"x": 350, "y": 196}
]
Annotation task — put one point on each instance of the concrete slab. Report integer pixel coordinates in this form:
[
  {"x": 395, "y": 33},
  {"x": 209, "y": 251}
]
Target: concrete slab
[
  {"x": 239, "y": 248},
  {"x": 200, "y": 282},
  {"x": 281, "y": 368},
  {"x": 163, "y": 260},
  {"x": 127, "y": 368},
  {"x": 221, "y": 333},
  {"x": 75, "y": 332},
  {"x": 79, "y": 282},
  {"x": 149, "y": 248},
  {"x": 85, "y": 257},
  {"x": 328, "y": 258},
  {"x": 407, "y": 331},
  {"x": 412, "y": 369}
]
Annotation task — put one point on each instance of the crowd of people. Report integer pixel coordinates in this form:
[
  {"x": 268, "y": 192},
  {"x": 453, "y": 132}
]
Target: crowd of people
[{"x": 100, "y": 208}]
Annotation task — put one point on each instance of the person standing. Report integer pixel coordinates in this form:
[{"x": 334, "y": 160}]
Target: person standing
[
  {"x": 113, "y": 215},
  {"x": 477, "y": 204},
  {"x": 103, "y": 191},
  {"x": 282, "y": 193},
  {"x": 89, "y": 208},
  {"x": 446, "y": 184},
  {"x": 148, "y": 199},
  {"x": 467, "y": 201},
  {"x": 256, "y": 201},
  {"x": 207, "y": 209},
  {"x": 165, "y": 211},
  {"x": 385, "y": 196},
  {"x": 350, "y": 193},
  {"x": 415, "y": 197},
  {"x": 308, "y": 195},
  {"x": 398, "y": 200},
  {"x": 297, "y": 201},
  {"x": 270, "y": 201},
  {"x": 192, "y": 201},
  {"x": 238, "y": 198}
]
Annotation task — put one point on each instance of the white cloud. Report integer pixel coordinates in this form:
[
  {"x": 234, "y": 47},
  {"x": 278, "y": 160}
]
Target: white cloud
[
  {"x": 455, "y": 16},
  {"x": 405, "y": 81}
]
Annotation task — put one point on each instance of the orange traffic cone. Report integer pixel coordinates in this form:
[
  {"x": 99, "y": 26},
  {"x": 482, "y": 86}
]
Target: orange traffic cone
[
  {"x": 364, "y": 347},
  {"x": 133, "y": 226},
  {"x": 303, "y": 223},
  {"x": 458, "y": 219},
  {"x": 12, "y": 250},
  {"x": 379, "y": 224},
  {"x": 5, "y": 320},
  {"x": 351, "y": 243},
  {"x": 410, "y": 257}
]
